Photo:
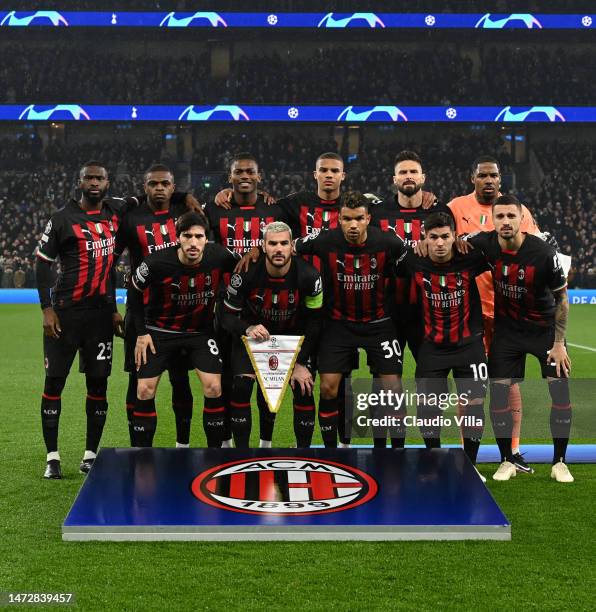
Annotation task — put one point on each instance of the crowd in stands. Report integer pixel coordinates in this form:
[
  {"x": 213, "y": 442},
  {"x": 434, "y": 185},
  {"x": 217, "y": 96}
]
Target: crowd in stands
[
  {"x": 40, "y": 181},
  {"x": 369, "y": 73}
]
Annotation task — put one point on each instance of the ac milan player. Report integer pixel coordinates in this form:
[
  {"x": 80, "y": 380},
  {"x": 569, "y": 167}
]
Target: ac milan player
[
  {"x": 531, "y": 310},
  {"x": 79, "y": 311},
  {"x": 452, "y": 330},
  {"x": 148, "y": 229},
  {"x": 240, "y": 229},
  {"x": 280, "y": 294},
  {"x": 473, "y": 213},
  {"x": 355, "y": 260},
  {"x": 182, "y": 283}
]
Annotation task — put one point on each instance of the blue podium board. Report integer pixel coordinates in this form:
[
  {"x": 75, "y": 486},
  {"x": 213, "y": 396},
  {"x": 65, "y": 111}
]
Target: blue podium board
[{"x": 284, "y": 494}]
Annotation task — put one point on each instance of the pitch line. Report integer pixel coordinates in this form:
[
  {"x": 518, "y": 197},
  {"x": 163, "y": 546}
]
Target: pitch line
[{"x": 581, "y": 346}]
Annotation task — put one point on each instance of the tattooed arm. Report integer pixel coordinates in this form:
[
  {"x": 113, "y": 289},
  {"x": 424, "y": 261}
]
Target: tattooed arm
[{"x": 558, "y": 354}]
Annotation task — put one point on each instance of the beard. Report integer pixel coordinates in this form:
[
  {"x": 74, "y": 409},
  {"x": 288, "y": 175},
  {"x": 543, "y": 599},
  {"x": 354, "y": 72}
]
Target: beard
[
  {"x": 95, "y": 199},
  {"x": 409, "y": 190},
  {"x": 276, "y": 264}
]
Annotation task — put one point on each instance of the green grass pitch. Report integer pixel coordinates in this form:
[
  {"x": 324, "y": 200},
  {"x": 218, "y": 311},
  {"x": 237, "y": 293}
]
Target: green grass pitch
[{"x": 549, "y": 564}]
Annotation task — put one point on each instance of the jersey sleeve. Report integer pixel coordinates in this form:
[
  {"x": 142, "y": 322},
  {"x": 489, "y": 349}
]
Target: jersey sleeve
[
  {"x": 48, "y": 247},
  {"x": 312, "y": 245},
  {"x": 233, "y": 304},
  {"x": 555, "y": 276},
  {"x": 143, "y": 275},
  {"x": 313, "y": 302},
  {"x": 479, "y": 240},
  {"x": 396, "y": 246}
]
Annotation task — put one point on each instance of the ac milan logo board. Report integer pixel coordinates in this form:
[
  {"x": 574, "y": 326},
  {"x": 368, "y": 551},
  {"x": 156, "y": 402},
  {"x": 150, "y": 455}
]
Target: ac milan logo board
[{"x": 284, "y": 494}]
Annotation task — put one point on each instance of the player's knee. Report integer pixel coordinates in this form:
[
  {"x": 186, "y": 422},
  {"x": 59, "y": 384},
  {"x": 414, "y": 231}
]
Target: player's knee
[
  {"x": 329, "y": 387},
  {"x": 54, "y": 385},
  {"x": 212, "y": 387},
  {"x": 146, "y": 388},
  {"x": 98, "y": 387},
  {"x": 499, "y": 395},
  {"x": 559, "y": 391}
]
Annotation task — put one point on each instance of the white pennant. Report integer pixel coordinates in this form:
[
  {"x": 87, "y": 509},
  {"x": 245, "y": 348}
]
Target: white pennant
[{"x": 273, "y": 362}]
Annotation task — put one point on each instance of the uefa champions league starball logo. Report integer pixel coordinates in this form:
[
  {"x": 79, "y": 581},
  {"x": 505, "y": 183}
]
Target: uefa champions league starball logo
[{"x": 284, "y": 486}]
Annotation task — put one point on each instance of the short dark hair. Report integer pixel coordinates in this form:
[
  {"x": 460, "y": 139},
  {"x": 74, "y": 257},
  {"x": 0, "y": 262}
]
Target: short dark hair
[
  {"x": 439, "y": 219},
  {"x": 484, "y": 159},
  {"x": 354, "y": 199},
  {"x": 243, "y": 155},
  {"x": 407, "y": 156},
  {"x": 92, "y": 162},
  {"x": 157, "y": 168},
  {"x": 188, "y": 219},
  {"x": 505, "y": 200},
  {"x": 329, "y": 155}
]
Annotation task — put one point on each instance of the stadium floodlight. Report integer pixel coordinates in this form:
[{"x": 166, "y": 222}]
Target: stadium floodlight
[
  {"x": 552, "y": 114},
  {"x": 11, "y": 19},
  {"x": 487, "y": 22},
  {"x": 329, "y": 21},
  {"x": 171, "y": 21},
  {"x": 235, "y": 112},
  {"x": 393, "y": 112},
  {"x": 76, "y": 112}
]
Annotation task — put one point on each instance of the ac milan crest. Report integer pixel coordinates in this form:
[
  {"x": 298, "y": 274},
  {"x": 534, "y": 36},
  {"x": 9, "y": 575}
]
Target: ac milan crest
[{"x": 288, "y": 486}]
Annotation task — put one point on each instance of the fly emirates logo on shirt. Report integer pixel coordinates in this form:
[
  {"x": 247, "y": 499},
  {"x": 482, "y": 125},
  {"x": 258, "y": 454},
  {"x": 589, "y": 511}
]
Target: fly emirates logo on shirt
[
  {"x": 192, "y": 297},
  {"x": 101, "y": 247},
  {"x": 358, "y": 280},
  {"x": 445, "y": 297}
]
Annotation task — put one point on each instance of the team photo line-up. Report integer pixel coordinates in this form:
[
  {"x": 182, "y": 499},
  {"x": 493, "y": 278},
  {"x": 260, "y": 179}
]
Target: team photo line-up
[{"x": 472, "y": 287}]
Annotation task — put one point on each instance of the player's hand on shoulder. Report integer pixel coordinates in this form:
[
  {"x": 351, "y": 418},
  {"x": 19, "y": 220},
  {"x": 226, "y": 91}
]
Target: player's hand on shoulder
[
  {"x": 428, "y": 199},
  {"x": 143, "y": 343},
  {"x": 463, "y": 246},
  {"x": 51, "y": 323},
  {"x": 193, "y": 204},
  {"x": 303, "y": 377},
  {"x": 267, "y": 197},
  {"x": 257, "y": 332},
  {"x": 223, "y": 198},
  {"x": 421, "y": 248},
  {"x": 247, "y": 260},
  {"x": 118, "y": 323}
]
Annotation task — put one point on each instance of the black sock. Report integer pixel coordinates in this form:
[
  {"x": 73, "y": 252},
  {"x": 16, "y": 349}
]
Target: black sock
[
  {"x": 304, "y": 418},
  {"x": 145, "y": 422},
  {"x": 560, "y": 417},
  {"x": 431, "y": 433},
  {"x": 96, "y": 407},
  {"x": 328, "y": 421},
  {"x": 131, "y": 400},
  {"x": 213, "y": 421},
  {"x": 472, "y": 429},
  {"x": 345, "y": 409},
  {"x": 51, "y": 406},
  {"x": 240, "y": 413},
  {"x": 502, "y": 419},
  {"x": 182, "y": 406},
  {"x": 266, "y": 417},
  {"x": 227, "y": 383}
]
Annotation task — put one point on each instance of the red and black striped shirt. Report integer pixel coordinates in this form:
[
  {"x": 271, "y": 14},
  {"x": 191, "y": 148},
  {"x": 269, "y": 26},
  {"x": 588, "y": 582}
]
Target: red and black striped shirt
[
  {"x": 355, "y": 275},
  {"x": 524, "y": 280},
  {"x": 181, "y": 298},
  {"x": 84, "y": 243},
  {"x": 448, "y": 295}
]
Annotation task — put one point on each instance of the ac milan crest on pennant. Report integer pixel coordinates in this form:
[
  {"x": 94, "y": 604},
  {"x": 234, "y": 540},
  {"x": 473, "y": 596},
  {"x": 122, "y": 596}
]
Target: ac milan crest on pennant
[{"x": 288, "y": 486}]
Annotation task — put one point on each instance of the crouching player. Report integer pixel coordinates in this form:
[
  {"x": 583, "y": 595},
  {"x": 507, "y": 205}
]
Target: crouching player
[
  {"x": 183, "y": 283},
  {"x": 452, "y": 315},
  {"x": 279, "y": 294}
]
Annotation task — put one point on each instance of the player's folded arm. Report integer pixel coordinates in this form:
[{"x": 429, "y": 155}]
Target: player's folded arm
[{"x": 45, "y": 278}]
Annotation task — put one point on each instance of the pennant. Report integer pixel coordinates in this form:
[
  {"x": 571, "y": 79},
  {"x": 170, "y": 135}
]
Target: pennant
[{"x": 273, "y": 362}]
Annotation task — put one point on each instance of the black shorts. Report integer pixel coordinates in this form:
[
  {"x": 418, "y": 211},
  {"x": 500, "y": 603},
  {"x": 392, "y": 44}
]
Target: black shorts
[
  {"x": 340, "y": 339},
  {"x": 178, "y": 366},
  {"x": 200, "y": 349},
  {"x": 87, "y": 330},
  {"x": 511, "y": 344},
  {"x": 467, "y": 362},
  {"x": 407, "y": 319}
]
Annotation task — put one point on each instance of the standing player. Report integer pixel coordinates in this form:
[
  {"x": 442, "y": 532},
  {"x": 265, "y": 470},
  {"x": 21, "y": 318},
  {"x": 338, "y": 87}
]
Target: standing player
[
  {"x": 182, "y": 282},
  {"x": 148, "y": 229},
  {"x": 452, "y": 317},
  {"x": 473, "y": 213},
  {"x": 79, "y": 311},
  {"x": 356, "y": 260},
  {"x": 280, "y": 294},
  {"x": 531, "y": 310}
]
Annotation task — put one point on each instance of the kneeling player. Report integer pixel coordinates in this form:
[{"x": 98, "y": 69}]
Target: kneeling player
[
  {"x": 183, "y": 283},
  {"x": 531, "y": 310},
  {"x": 452, "y": 316},
  {"x": 279, "y": 294}
]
